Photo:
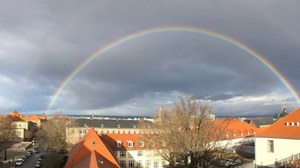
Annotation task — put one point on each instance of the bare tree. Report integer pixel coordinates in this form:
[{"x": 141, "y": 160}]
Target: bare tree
[
  {"x": 187, "y": 134},
  {"x": 52, "y": 134},
  {"x": 7, "y": 133}
]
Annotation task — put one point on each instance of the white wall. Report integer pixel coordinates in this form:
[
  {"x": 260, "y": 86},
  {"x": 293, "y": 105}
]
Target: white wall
[
  {"x": 283, "y": 148},
  {"x": 235, "y": 142}
]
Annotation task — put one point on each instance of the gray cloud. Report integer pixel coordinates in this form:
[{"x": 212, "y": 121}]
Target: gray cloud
[{"x": 42, "y": 42}]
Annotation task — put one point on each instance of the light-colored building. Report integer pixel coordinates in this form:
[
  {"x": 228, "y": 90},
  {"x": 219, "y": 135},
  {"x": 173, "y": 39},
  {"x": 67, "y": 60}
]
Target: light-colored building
[
  {"x": 24, "y": 129},
  {"x": 39, "y": 120},
  {"x": 279, "y": 141},
  {"x": 113, "y": 151},
  {"x": 103, "y": 126}
]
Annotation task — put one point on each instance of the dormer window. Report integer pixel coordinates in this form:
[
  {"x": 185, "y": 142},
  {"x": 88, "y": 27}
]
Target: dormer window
[
  {"x": 130, "y": 143},
  {"x": 141, "y": 144},
  {"x": 118, "y": 143}
]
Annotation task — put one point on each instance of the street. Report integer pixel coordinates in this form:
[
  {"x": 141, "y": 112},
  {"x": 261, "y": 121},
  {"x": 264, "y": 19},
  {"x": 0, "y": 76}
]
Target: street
[{"x": 30, "y": 162}]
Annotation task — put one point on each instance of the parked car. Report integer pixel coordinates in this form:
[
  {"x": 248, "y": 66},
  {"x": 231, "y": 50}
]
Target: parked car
[
  {"x": 37, "y": 165},
  {"x": 19, "y": 161}
]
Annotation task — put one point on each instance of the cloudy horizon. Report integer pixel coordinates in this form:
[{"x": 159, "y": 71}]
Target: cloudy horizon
[{"x": 41, "y": 43}]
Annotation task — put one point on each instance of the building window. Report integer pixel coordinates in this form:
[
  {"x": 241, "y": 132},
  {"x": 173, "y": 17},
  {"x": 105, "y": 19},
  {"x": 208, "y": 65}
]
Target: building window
[
  {"x": 84, "y": 131},
  {"x": 227, "y": 135},
  {"x": 242, "y": 134},
  {"x": 128, "y": 131},
  {"x": 102, "y": 131},
  {"x": 107, "y": 131},
  {"x": 148, "y": 164},
  {"x": 73, "y": 130},
  {"x": 124, "y": 132},
  {"x": 116, "y": 153},
  {"x": 19, "y": 133},
  {"x": 122, "y": 154},
  {"x": 119, "y": 143},
  {"x": 80, "y": 131},
  {"x": 131, "y": 163},
  {"x": 248, "y": 133},
  {"x": 113, "y": 131},
  {"x": 118, "y": 131},
  {"x": 140, "y": 153},
  {"x": 234, "y": 134},
  {"x": 141, "y": 144},
  {"x": 139, "y": 163},
  {"x": 155, "y": 164},
  {"x": 123, "y": 163},
  {"x": 130, "y": 144},
  {"x": 102, "y": 125},
  {"x": 118, "y": 126},
  {"x": 270, "y": 146}
]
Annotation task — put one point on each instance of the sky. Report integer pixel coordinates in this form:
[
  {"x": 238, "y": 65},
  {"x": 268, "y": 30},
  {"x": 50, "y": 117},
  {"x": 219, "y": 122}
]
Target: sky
[{"x": 42, "y": 42}]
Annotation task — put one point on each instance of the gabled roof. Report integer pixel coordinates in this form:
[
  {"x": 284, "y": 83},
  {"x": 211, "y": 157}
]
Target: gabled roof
[
  {"x": 90, "y": 151},
  {"x": 287, "y": 127}
]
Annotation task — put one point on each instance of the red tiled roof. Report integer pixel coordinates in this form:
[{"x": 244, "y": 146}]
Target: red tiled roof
[
  {"x": 111, "y": 140},
  {"x": 33, "y": 117},
  {"x": 85, "y": 154},
  {"x": 238, "y": 129},
  {"x": 287, "y": 127}
]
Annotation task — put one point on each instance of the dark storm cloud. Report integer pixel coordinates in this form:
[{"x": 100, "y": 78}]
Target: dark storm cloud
[{"x": 42, "y": 42}]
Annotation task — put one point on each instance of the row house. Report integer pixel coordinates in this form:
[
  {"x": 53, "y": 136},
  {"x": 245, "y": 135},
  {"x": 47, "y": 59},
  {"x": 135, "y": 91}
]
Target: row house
[{"x": 103, "y": 126}]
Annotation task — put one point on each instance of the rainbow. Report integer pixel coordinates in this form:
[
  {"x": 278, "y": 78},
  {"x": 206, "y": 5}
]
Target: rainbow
[{"x": 179, "y": 29}]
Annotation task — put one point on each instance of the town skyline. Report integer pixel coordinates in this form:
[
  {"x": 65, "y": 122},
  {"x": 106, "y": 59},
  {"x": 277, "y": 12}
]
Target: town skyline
[{"x": 43, "y": 43}]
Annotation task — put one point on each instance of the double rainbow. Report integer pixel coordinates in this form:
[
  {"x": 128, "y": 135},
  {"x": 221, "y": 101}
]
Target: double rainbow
[{"x": 179, "y": 29}]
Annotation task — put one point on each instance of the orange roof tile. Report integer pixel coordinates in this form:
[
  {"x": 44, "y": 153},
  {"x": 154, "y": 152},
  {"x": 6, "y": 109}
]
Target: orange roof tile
[
  {"x": 111, "y": 140},
  {"x": 287, "y": 127},
  {"x": 238, "y": 129},
  {"x": 90, "y": 151}
]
